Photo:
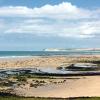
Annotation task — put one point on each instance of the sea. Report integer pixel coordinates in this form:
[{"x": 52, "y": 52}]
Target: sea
[{"x": 14, "y": 54}]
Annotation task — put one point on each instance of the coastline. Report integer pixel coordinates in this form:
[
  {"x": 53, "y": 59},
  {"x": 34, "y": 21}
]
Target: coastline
[
  {"x": 66, "y": 87},
  {"x": 43, "y": 61}
]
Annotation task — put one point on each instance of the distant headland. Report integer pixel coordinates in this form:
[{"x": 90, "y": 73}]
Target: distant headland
[{"x": 71, "y": 49}]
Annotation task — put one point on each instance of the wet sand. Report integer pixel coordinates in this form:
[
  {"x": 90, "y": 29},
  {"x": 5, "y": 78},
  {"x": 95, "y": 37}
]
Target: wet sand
[{"x": 50, "y": 61}]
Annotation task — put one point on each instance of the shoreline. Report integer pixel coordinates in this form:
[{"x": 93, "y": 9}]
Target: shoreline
[
  {"x": 31, "y": 86},
  {"x": 44, "y": 61}
]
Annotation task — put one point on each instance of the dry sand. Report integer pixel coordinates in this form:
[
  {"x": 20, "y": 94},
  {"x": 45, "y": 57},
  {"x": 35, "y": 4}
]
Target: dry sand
[{"x": 83, "y": 87}]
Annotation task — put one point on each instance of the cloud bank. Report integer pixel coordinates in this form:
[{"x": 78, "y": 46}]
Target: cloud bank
[{"x": 62, "y": 20}]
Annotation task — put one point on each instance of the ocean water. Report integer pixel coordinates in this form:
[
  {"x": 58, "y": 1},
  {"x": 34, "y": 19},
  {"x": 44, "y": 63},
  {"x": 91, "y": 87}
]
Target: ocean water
[{"x": 4, "y": 54}]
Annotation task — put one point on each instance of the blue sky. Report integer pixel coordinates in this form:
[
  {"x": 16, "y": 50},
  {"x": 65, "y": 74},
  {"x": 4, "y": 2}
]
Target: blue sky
[
  {"x": 39, "y": 24},
  {"x": 39, "y": 3}
]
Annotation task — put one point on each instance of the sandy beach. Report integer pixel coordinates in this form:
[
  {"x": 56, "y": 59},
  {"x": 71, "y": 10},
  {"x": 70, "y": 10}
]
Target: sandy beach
[
  {"x": 44, "y": 61},
  {"x": 87, "y": 86},
  {"x": 79, "y": 86}
]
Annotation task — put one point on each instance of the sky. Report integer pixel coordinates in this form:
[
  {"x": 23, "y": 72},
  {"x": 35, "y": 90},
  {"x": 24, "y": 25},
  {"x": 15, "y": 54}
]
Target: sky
[{"x": 38, "y": 24}]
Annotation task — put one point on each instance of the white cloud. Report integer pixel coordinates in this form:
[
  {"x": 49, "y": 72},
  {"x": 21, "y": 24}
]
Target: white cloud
[
  {"x": 64, "y": 10},
  {"x": 63, "y": 20}
]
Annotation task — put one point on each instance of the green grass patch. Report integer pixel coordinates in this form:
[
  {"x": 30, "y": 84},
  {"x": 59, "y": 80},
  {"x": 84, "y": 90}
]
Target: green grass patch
[{"x": 22, "y": 98}]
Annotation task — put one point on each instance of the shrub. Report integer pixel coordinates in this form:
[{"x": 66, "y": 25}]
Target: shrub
[{"x": 22, "y": 78}]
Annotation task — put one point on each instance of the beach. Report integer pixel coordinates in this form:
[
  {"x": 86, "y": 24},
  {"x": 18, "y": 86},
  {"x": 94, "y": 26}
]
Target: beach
[
  {"x": 87, "y": 86},
  {"x": 44, "y": 61},
  {"x": 50, "y": 86}
]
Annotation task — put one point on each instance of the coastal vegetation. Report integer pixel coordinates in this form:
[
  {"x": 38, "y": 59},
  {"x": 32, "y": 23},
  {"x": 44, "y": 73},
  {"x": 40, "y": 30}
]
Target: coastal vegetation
[{"x": 39, "y": 98}]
